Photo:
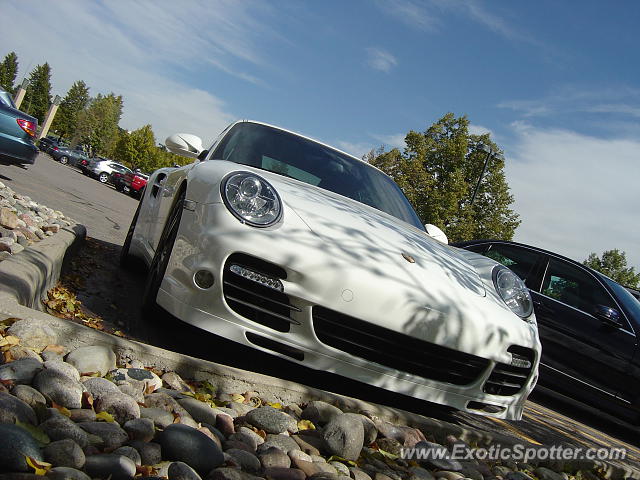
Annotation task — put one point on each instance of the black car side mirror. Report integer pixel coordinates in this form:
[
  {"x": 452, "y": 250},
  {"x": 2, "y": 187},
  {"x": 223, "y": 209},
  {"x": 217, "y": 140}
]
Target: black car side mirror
[
  {"x": 608, "y": 316},
  {"x": 202, "y": 155}
]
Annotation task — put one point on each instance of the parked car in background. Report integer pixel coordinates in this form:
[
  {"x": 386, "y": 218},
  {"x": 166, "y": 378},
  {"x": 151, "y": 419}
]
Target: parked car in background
[
  {"x": 589, "y": 326},
  {"x": 294, "y": 248},
  {"x": 134, "y": 183},
  {"x": 66, "y": 156},
  {"x": 102, "y": 168},
  {"x": 17, "y": 133}
]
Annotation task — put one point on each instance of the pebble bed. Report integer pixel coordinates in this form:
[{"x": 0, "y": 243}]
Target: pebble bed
[
  {"x": 23, "y": 222},
  {"x": 79, "y": 414}
]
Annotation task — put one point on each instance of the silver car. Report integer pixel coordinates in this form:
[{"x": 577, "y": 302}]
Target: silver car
[{"x": 102, "y": 168}]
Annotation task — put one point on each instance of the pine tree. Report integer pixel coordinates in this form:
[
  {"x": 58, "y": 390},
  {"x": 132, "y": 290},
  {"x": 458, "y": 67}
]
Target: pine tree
[
  {"x": 8, "y": 72},
  {"x": 74, "y": 102},
  {"x": 97, "y": 125},
  {"x": 438, "y": 172},
  {"x": 38, "y": 96}
]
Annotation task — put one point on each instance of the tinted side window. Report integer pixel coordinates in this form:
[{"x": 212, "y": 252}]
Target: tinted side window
[
  {"x": 573, "y": 286},
  {"x": 520, "y": 260}
]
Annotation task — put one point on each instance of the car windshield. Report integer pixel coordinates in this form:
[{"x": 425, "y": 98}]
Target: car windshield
[
  {"x": 296, "y": 157},
  {"x": 6, "y": 99},
  {"x": 628, "y": 301}
]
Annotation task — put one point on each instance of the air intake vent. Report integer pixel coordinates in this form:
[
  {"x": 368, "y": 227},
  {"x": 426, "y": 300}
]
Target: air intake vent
[
  {"x": 508, "y": 379},
  {"x": 396, "y": 350},
  {"x": 251, "y": 298}
]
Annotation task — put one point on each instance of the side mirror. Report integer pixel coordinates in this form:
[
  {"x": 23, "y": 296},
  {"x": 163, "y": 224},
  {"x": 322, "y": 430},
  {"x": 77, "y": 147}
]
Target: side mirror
[
  {"x": 436, "y": 233},
  {"x": 184, "y": 144},
  {"x": 608, "y": 316}
]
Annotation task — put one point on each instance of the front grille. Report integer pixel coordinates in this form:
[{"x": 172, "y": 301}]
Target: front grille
[
  {"x": 508, "y": 379},
  {"x": 396, "y": 350},
  {"x": 254, "y": 301}
]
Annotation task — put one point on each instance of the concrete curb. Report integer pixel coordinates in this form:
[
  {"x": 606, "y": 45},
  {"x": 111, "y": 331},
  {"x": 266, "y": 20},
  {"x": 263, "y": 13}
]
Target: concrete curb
[{"x": 26, "y": 277}]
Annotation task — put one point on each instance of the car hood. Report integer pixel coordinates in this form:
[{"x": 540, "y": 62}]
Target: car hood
[{"x": 364, "y": 234}]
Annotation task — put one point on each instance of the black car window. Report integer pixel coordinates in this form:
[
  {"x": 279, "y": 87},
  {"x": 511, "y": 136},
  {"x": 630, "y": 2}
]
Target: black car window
[
  {"x": 575, "y": 287},
  {"x": 521, "y": 261}
]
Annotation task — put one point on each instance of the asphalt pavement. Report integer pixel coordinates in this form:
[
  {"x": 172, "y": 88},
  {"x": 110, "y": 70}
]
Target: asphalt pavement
[{"x": 114, "y": 294}]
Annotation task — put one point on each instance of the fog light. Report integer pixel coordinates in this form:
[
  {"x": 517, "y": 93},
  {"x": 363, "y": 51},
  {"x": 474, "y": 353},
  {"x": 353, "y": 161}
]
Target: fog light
[
  {"x": 520, "y": 361},
  {"x": 204, "y": 279},
  {"x": 265, "y": 281}
]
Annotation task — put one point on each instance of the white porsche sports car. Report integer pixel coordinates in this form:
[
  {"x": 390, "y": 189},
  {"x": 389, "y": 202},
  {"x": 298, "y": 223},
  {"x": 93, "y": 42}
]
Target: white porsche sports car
[{"x": 290, "y": 246}]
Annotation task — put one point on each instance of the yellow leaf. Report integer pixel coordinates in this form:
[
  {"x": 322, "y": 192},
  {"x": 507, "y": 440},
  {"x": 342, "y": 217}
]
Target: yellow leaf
[
  {"x": 306, "y": 425},
  {"x": 11, "y": 340},
  {"x": 275, "y": 405},
  {"x": 237, "y": 398},
  {"x": 388, "y": 455},
  {"x": 40, "y": 468},
  {"x": 105, "y": 417},
  {"x": 38, "y": 435},
  {"x": 63, "y": 410},
  {"x": 335, "y": 458}
]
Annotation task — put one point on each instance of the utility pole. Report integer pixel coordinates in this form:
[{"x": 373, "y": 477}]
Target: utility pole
[
  {"x": 22, "y": 89},
  {"x": 490, "y": 153},
  {"x": 49, "y": 117}
]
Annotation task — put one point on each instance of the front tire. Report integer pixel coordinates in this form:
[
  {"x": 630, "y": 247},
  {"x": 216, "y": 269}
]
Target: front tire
[
  {"x": 64, "y": 160},
  {"x": 103, "y": 177},
  {"x": 127, "y": 261},
  {"x": 158, "y": 266}
]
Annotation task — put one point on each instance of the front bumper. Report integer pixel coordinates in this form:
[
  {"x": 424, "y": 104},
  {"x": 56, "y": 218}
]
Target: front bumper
[{"x": 209, "y": 236}]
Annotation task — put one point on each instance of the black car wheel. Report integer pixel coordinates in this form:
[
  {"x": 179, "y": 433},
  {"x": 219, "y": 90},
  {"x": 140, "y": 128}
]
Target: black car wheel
[
  {"x": 161, "y": 258},
  {"x": 127, "y": 261},
  {"x": 64, "y": 160},
  {"x": 103, "y": 177}
]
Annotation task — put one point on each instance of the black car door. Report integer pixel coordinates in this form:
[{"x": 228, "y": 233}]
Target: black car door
[{"x": 582, "y": 349}]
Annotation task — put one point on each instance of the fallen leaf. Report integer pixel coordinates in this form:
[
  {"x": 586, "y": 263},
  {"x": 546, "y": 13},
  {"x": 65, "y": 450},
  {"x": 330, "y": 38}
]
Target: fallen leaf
[
  {"x": 237, "y": 398},
  {"x": 37, "y": 434},
  {"x": 87, "y": 400},
  {"x": 40, "y": 468},
  {"x": 8, "y": 356},
  {"x": 388, "y": 455},
  {"x": 63, "y": 410},
  {"x": 306, "y": 425},
  {"x": 118, "y": 333},
  {"x": 59, "y": 349},
  {"x": 176, "y": 418},
  {"x": 149, "y": 388},
  {"x": 275, "y": 405},
  {"x": 336, "y": 458},
  {"x": 9, "y": 341},
  {"x": 146, "y": 471},
  {"x": 7, "y": 383},
  {"x": 105, "y": 417}
]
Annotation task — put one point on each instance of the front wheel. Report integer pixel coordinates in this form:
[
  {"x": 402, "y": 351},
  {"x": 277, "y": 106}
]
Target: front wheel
[
  {"x": 127, "y": 261},
  {"x": 103, "y": 177},
  {"x": 158, "y": 266},
  {"x": 64, "y": 160}
]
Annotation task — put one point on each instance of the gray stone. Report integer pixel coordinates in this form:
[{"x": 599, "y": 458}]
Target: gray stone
[
  {"x": 79, "y": 415},
  {"x": 182, "y": 471},
  {"x": 66, "y": 473},
  {"x": 309, "y": 445},
  {"x": 165, "y": 402},
  {"x": 517, "y": 476},
  {"x": 59, "y": 388},
  {"x": 248, "y": 462},
  {"x": 110, "y": 432},
  {"x": 59, "y": 427},
  {"x": 97, "y": 386},
  {"x": 248, "y": 436},
  {"x": 344, "y": 436},
  {"x": 64, "y": 453},
  {"x": 274, "y": 457},
  {"x": 390, "y": 445},
  {"x": 20, "y": 371},
  {"x": 419, "y": 473},
  {"x": 446, "y": 475},
  {"x": 500, "y": 471},
  {"x": 129, "y": 452},
  {"x": 279, "y": 473},
  {"x": 137, "y": 377},
  {"x": 134, "y": 392},
  {"x": 309, "y": 468},
  {"x": 370, "y": 430},
  {"x": 48, "y": 355},
  {"x": 320, "y": 412},
  {"x": 19, "y": 352},
  {"x": 224, "y": 423},
  {"x": 272, "y": 420},
  {"x": 150, "y": 452},
  {"x": 173, "y": 380},
  {"x": 299, "y": 455},
  {"x": 106, "y": 465},
  {"x": 93, "y": 359},
  {"x": 200, "y": 411},
  {"x": 325, "y": 476},
  {"x": 15, "y": 444},
  {"x": 29, "y": 395},
  {"x": 13, "y": 410},
  {"x": 185, "y": 444},
  {"x": 341, "y": 468},
  {"x": 546, "y": 474},
  {"x": 8, "y": 219},
  {"x": 283, "y": 442},
  {"x": 359, "y": 474},
  {"x": 63, "y": 368},
  {"x": 438, "y": 463},
  {"x": 160, "y": 418},
  {"x": 122, "y": 407},
  {"x": 33, "y": 333},
  {"x": 140, "y": 429},
  {"x": 226, "y": 473}
]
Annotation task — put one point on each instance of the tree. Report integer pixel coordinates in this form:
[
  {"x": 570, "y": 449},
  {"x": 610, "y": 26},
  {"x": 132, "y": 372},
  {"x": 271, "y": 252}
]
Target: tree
[
  {"x": 138, "y": 149},
  {"x": 8, "y": 72},
  {"x": 613, "y": 264},
  {"x": 438, "y": 171},
  {"x": 97, "y": 125},
  {"x": 73, "y": 103},
  {"x": 37, "y": 99}
]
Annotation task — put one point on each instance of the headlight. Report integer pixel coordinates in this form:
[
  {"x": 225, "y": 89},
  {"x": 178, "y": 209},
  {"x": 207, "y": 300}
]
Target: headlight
[
  {"x": 513, "y": 291},
  {"x": 252, "y": 199}
]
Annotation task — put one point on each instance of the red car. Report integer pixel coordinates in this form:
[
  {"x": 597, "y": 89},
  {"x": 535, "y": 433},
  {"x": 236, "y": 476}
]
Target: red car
[{"x": 134, "y": 183}]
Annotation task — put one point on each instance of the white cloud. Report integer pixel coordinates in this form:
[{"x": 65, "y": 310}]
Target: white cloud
[
  {"x": 414, "y": 14},
  {"x": 479, "y": 130},
  {"x": 380, "y": 59},
  {"x": 575, "y": 194},
  {"x": 151, "y": 53},
  {"x": 357, "y": 149},
  {"x": 395, "y": 140}
]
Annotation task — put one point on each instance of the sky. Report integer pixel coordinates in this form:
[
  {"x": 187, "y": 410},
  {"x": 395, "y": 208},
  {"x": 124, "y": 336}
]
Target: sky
[{"x": 557, "y": 84}]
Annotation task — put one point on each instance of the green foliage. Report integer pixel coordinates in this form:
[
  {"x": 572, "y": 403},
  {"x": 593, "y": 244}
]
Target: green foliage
[
  {"x": 37, "y": 99},
  {"x": 73, "y": 103},
  {"x": 8, "y": 72},
  {"x": 438, "y": 172},
  {"x": 613, "y": 264},
  {"x": 138, "y": 150},
  {"x": 97, "y": 125}
]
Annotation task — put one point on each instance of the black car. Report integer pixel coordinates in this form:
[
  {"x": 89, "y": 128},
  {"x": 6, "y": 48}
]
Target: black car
[
  {"x": 49, "y": 143},
  {"x": 588, "y": 324},
  {"x": 66, "y": 156}
]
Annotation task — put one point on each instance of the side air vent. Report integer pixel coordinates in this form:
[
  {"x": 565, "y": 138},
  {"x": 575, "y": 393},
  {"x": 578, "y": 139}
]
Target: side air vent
[{"x": 508, "y": 379}]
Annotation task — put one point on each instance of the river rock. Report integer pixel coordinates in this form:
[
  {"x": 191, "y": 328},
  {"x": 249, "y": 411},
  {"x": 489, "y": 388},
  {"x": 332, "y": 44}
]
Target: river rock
[
  {"x": 182, "y": 471},
  {"x": 13, "y": 410},
  {"x": 110, "y": 432},
  {"x": 33, "y": 333},
  {"x": 185, "y": 444},
  {"x": 59, "y": 427},
  {"x": 59, "y": 388},
  {"x": 92, "y": 359},
  {"x": 344, "y": 436},
  {"x": 15, "y": 444},
  {"x": 64, "y": 453},
  {"x": 21, "y": 371},
  {"x": 272, "y": 420},
  {"x": 106, "y": 465}
]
